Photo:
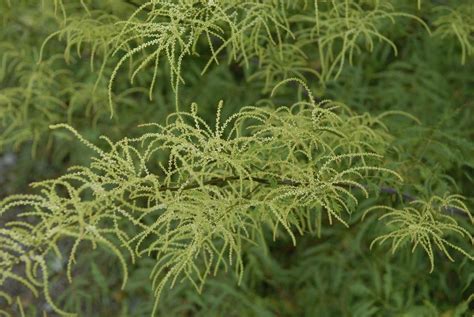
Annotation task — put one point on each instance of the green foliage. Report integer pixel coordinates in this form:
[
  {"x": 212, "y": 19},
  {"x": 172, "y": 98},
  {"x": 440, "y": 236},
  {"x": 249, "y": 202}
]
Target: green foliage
[
  {"x": 347, "y": 133},
  {"x": 276, "y": 34},
  {"x": 457, "y": 22},
  {"x": 425, "y": 226}
]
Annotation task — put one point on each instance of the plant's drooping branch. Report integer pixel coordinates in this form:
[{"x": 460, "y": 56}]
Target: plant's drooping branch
[{"x": 286, "y": 182}]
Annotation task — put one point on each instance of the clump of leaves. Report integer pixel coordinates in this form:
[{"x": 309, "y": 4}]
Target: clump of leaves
[
  {"x": 426, "y": 224},
  {"x": 457, "y": 22}
]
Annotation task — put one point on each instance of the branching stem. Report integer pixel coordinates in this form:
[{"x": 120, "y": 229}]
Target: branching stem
[{"x": 220, "y": 182}]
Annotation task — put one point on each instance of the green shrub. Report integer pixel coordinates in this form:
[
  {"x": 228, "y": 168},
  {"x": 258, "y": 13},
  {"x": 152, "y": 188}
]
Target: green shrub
[{"x": 327, "y": 170}]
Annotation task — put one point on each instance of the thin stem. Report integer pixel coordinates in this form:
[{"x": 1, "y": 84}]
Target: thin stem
[{"x": 220, "y": 182}]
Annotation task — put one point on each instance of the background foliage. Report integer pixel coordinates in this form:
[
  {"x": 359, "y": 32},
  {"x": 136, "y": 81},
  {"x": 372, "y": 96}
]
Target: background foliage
[{"x": 296, "y": 158}]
